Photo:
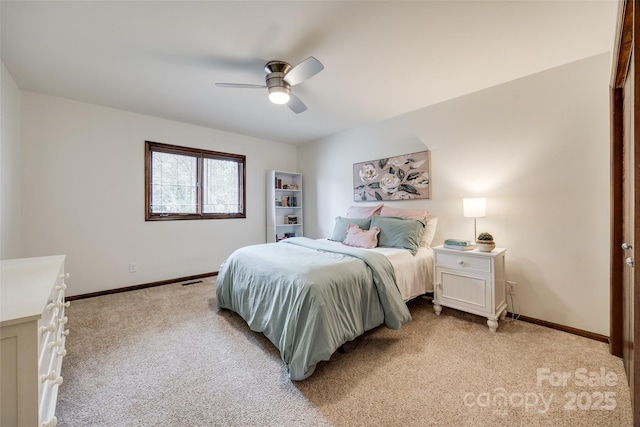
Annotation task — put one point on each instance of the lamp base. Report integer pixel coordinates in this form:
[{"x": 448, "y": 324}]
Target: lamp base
[{"x": 475, "y": 231}]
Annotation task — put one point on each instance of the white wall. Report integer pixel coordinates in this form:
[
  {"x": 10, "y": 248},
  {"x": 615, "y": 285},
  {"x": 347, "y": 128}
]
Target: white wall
[
  {"x": 10, "y": 154},
  {"x": 83, "y": 194},
  {"x": 537, "y": 148}
]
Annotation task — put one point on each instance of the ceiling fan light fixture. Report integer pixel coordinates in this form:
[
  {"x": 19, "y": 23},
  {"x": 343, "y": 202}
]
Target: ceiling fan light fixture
[
  {"x": 280, "y": 78},
  {"x": 279, "y": 95}
]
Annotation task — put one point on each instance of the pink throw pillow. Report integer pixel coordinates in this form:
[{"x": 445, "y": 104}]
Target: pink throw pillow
[{"x": 360, "y": 238}]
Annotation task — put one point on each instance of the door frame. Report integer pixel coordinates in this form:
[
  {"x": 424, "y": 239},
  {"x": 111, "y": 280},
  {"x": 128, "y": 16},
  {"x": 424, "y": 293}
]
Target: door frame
[{"x": 625, "y": 45}]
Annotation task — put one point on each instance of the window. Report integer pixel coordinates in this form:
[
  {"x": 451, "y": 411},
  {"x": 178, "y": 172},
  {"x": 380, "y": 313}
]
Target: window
[{"x": 189, "y": 183}]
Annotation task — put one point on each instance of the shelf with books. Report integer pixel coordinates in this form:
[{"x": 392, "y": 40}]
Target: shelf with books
[{"x": 284, "y": 205}]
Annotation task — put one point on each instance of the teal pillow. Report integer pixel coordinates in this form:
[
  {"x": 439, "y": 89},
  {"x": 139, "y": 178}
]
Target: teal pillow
[
  {"x": 399, "y": 232},
  {"x": 340, "y": 229}
]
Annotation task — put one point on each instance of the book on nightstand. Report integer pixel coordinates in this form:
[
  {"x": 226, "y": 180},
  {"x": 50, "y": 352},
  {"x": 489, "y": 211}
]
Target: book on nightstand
[
  {"x": 459, "y": 245},
  {"x": 459, "y": 248}
]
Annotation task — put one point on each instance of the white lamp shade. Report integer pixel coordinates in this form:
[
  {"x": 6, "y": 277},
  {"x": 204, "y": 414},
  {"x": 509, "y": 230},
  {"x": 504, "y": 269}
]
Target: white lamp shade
[{"x": 475, "y": 207}]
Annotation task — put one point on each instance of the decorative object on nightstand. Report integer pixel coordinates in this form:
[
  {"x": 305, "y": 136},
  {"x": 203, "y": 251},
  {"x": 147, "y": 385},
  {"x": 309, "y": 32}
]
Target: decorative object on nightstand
[
  {"x": 471, "y": 281},
  {"x": 459, "y": 245},
  {"x": 474, "y": 208},
  {"x": 485, "y": 242}
]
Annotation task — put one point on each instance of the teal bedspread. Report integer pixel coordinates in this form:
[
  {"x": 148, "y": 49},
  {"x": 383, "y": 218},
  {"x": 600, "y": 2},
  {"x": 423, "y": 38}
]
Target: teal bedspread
[{"x": 309, "y": 297}]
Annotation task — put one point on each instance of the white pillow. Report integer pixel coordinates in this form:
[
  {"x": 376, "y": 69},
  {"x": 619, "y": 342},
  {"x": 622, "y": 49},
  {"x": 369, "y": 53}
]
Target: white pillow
[{"x": 429, "y": 231}]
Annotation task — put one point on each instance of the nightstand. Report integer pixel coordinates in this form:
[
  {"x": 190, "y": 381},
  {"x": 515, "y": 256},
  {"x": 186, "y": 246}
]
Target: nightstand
[{"x": 471, "y": 281}]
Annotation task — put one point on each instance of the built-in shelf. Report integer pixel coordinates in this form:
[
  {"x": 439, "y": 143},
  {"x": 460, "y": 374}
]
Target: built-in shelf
[{"x": 284, "y": 205}]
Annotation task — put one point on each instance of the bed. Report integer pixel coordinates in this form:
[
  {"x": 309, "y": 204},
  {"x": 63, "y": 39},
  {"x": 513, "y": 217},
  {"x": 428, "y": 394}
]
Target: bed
[{"x": 311, "y": 296}]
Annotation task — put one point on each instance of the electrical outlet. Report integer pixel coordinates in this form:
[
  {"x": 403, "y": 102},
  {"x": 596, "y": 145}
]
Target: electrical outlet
[
  {"x": 512, "y": 288},
  {"x": 133, "y": 267}
]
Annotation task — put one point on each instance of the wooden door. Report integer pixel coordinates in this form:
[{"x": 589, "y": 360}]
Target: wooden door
[
  {"x": 625, "y": 199},
  {"x": 627, "y": 246}
]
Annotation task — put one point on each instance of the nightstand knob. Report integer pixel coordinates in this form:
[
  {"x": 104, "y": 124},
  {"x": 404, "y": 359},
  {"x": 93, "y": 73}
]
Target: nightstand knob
[
  {"x": 460, "y": 262},
  {"x": 626, "y": 246}
]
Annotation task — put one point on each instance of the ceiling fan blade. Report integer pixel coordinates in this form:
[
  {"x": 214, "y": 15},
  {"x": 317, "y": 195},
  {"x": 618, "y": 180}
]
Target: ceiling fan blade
[
  {"x": 295, "y": 104},
  {"x": 241, "y": 85},
  {"x": 303, "y": 71}
]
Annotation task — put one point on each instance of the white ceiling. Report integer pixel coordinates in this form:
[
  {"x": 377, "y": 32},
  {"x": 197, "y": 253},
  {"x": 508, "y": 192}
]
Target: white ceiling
[{"x": 381, "y": 58}]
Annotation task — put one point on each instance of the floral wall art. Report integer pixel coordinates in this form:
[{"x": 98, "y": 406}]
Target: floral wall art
[{"x": 394, "y": 178}]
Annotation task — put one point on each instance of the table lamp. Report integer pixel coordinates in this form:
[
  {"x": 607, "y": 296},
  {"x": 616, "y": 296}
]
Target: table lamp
[{"x": 475, "y": 208}]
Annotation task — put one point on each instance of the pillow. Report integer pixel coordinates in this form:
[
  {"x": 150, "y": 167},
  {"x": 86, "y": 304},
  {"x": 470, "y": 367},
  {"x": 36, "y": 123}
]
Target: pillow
[
  {"x": 360, "y": 238},
  {"x": 363, "y": 211},
  {"x": 429, "y": 231},
  {"x": 419, "y": 214},
  {"x": 340, "y": 229},
  {"x": 399, "y": 232}
]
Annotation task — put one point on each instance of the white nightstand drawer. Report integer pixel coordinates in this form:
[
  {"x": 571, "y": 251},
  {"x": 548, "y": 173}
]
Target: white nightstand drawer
[{"x": 463, "y": 261}]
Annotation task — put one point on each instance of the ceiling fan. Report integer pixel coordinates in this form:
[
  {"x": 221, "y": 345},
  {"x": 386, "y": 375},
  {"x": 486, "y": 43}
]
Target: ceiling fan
[{"x": 280, "y": 77}]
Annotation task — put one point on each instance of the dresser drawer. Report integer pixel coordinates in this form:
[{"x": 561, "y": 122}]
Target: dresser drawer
[
  {"x": 52, "y": 352},
  {"x": 52, "y": 315},
  {"x": 52, "y": 327},
  {"x": 463, "y": 262},
  {"x": 32, "y": 339}
]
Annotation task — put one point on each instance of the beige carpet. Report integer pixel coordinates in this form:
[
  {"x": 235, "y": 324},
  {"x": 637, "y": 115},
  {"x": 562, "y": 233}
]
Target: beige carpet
[{"x": 166, "y": 356}]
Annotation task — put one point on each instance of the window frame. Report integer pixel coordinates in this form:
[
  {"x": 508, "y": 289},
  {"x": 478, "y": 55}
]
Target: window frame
[{"x": 200, "y": 155}]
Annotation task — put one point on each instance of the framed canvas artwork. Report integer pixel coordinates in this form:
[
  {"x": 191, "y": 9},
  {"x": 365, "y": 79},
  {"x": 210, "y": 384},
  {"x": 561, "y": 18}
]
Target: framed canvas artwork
[{"x": 394, "y": 178}]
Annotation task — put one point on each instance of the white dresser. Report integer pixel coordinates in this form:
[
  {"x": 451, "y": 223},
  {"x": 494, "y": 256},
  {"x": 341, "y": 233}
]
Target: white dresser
[
  {"x": 471, "y": 281},
  {"x": 32, "y": 339}
]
